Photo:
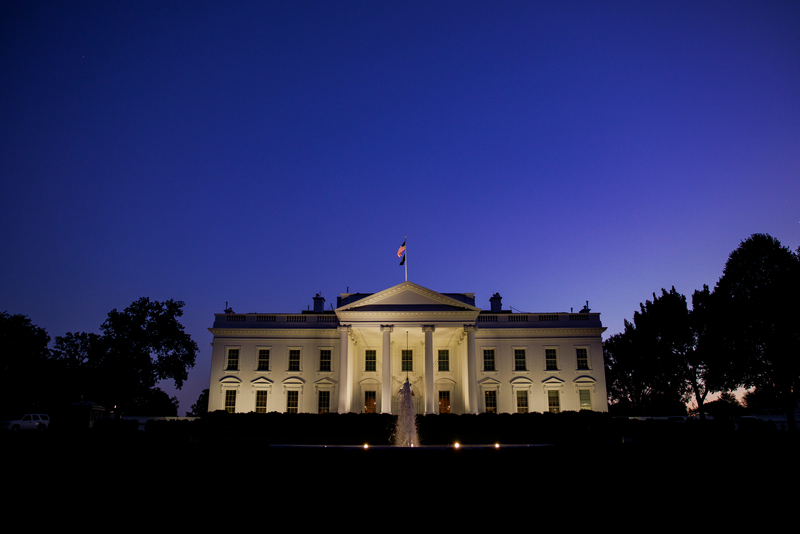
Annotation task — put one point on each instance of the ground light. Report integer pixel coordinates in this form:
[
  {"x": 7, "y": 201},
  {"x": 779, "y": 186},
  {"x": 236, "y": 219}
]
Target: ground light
[
  {"x": 457, "y": 445},
  {"x": 366, "y": 446}
]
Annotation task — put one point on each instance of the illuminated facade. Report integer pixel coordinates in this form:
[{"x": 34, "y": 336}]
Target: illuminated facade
[{"x": 458, "y": 358}]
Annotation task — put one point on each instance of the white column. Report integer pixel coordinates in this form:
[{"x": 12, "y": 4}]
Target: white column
[
  {"x": 472, "y": 368},
  {"x": 386, "y": 369},
  {"x": 430, "y": 404},
  {"x": 344, "y": 370}
]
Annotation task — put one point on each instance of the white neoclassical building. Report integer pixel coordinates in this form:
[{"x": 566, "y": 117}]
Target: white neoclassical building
[{"x": 457, "y": 357}]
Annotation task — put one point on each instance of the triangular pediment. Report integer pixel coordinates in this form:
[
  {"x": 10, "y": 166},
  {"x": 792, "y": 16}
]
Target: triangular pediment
[{"x": 407, "y": 296}]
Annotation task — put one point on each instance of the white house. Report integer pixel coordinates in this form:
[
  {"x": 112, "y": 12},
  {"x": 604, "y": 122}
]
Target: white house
[{"x": 457, "y": 357}]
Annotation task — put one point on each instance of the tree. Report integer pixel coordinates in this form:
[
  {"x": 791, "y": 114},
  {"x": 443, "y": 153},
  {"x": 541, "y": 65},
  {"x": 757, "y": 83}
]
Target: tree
[
  {"x": 23, "y": 357},
  {"x": 646, "y": 365},
  {"x": 756, "y": 302},
  {"x": 703, "y": 371},
  {"x": 155, "y": 402},
  {"x": 139, "y": 346},
  {"x": 201, "y": 406},
  {"x": 79, "y": 356}
]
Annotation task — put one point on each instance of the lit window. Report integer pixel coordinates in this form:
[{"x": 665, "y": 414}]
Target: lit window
[
  {"x": 444, "y": 402},
  {"x": 491, "y": 401},
  {"x": 233, "y": 360},
  {"x": 488, "y": 360},
  {"x": 369, "y": 401},
  {"x": 325, "y": 360},
  {"x": 522, "y": 402},
  {"x": 292, "y": 398},
  {"x": 408, "y": 360},
  {"x": 583, "y": 358},
  {"x": 263, "y": 359},
  {"x": 553, "y": 403},
  {"x": 444, "y": 360},
  {"x": 324, "y": 401},
  {"x": 294, "y": 360},
  {"x": 586, "y": 399},
  {"x": 370, "y": 359},
  {"x": 261, "y": 402},
  {"x": 230, "y": 400},
  {"x": 551, "y": 359},
  {"x": 519, "y": 360}
]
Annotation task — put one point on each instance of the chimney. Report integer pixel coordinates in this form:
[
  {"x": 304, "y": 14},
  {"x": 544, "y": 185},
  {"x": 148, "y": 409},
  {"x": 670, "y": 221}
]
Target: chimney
[
  {"x": 496, "y": 302},
  {"x": 319, "y": 304}
]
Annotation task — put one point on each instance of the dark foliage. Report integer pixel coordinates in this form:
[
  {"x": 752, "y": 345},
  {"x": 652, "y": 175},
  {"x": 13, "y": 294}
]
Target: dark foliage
[
  {"x": 201, "y": 406},
  {"x": 649, "y": 365},
  {"x": 758, "y": 325},
  {"x": 23, "y": 356}
]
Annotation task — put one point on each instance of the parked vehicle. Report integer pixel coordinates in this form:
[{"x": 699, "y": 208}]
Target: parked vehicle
[{"x": 31, "y": 421}]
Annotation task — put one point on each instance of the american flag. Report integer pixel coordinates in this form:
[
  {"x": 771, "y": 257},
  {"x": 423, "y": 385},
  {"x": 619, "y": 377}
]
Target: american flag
[{"x": 401, "y": 250}]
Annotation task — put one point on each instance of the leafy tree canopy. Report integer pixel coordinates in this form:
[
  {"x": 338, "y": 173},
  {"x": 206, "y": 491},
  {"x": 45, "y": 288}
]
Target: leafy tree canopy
[
  {"x": 201, "y": 406},
  {"x": 139, "y": 346},
  {"x": 758, "y": 326},
  {"x": 23, "y": 354}
]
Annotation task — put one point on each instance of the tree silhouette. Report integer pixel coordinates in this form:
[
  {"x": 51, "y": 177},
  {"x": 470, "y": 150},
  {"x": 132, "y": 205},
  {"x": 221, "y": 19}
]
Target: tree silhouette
[{"x": 758, "y": 322}]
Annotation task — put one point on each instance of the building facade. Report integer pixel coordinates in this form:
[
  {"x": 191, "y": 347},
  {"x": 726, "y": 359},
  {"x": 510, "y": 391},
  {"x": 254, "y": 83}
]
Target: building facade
[{"x": 457, "y": 357}]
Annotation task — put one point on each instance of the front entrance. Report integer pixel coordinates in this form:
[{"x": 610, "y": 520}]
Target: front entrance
[
  {"x": 369, "y": 401},
  {"x": 444, "y": 402}
]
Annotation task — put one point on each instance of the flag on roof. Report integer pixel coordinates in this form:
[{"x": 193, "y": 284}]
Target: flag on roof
[{"x": 401, "y": 252}]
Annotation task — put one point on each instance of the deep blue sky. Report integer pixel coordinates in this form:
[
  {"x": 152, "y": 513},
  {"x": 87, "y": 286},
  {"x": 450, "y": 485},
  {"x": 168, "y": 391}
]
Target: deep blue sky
[{"x": 260, "y": 152}]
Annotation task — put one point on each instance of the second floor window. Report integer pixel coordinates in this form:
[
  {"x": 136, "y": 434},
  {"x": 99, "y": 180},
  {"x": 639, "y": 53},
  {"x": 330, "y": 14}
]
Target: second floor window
[
  {"x": 369, "y": 359},
  {"x": 550, "y": 360},
  {"x": 444, "y": 360},
  {"x": 233, "y": 359},
  {"x": 488, "y": 360},
  {"x": 294, "y": 360},
  {"x": 325, "y": 360},
  {"x": 408, "y": 360},
  {"x": 263, "y": 359},
  {"x": 519, "y": 360},
  {"x": 583, "y": 358}
]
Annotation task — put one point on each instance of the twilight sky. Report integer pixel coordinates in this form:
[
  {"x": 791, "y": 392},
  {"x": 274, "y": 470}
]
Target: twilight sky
[{"x": 260, "y": 152}]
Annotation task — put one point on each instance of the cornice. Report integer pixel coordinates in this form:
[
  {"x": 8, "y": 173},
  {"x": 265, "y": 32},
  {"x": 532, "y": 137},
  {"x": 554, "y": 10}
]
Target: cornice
[
  {"x": 269, "y": 332},
  {"x": 377, "y": 315},
  {"x": 514, "y": 331}
]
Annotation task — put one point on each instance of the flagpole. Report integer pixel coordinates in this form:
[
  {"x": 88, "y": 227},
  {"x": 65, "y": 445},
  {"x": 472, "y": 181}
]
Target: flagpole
[{"x": 405, "y": 240}]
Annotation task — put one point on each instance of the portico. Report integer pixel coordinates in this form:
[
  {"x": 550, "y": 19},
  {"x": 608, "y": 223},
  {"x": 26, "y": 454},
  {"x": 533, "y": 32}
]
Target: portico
[{"x": 410, "y": 332}]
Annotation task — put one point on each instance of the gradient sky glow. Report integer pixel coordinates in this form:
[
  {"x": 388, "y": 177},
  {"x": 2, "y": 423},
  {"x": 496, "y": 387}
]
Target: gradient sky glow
[{"x": 260, "y": 152}]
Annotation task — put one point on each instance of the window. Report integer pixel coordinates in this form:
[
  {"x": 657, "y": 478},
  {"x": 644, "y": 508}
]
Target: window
[
  {"x": 444, "y": 361},
  {"x": 583, "y": 358},
  {"x": 292, "y": 398},
  {"x": 325, "y": 360},
  {"x": 370, "y": 360},
  {"x": 233, "y": 360},
  {"x": 488, "y": 360},
  {"x": 294, "y": 360},
  {"x": 491, "y": 401},
  {"x": 553, "y": 403},
  {"x": 586, "y": 399},
  {"x": 444, "y": 402},
  {"x": 522, "y": 402},
  {"x": 230, "y": 400},
  {"x": 369, "y": 401},
  {"x": 263, "y": 359},
  {"x": 324, "y": 403},
  {"x": 550, "y": 359},
  {"x": 408, "y": 360},
  {"x": 519, "y": 360},
  {"x": 261, "y": 402}
]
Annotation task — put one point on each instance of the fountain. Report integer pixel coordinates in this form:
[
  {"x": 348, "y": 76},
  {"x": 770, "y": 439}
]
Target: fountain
[{"x": 405, "y": 433}]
